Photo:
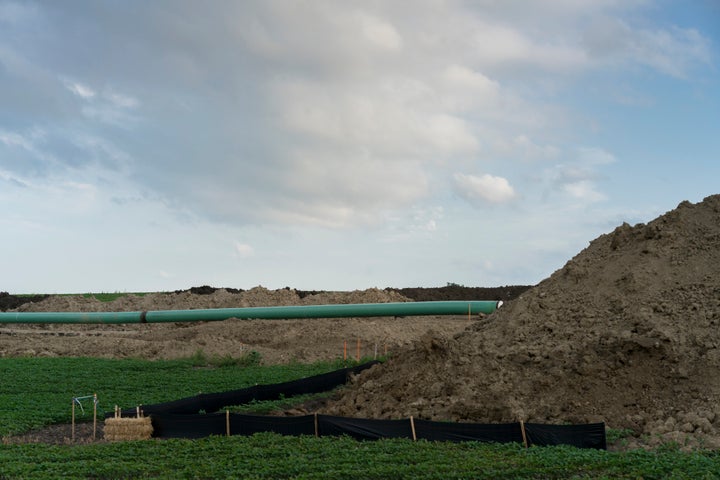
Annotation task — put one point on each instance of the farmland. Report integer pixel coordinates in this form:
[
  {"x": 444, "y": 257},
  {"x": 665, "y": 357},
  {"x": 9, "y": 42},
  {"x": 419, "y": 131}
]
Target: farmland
[
  {"x": 37, "y": 392},
  {"x": 273, "y": 456},
  {"x": 43, "y": 367}
]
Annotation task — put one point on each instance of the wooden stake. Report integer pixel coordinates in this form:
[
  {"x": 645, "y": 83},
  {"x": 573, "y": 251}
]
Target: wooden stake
[
  {"x": 522, "y": 429},
  {"x": 412, "y": 427},
  {"x": 94, "y": 416},
  {"x": 469, "y": 316},
  {"x": 375, "y": 355},
  {"x": 227, "y": 422},
  {"x": 317, "y": 429},
  {"x": 386, "y": 349},
  {"x": 345, "y": 350},
  {"x": 358, "y": 350},
  {"x": 72, "y": 428}
]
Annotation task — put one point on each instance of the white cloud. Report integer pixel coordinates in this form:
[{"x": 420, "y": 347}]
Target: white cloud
[
  {"x": 13, "y": 139},
  {"x": 593, "y": 156},
  {"x": 673, "y": 51},
  {"x": 120, "y": 100},
  {"x": 584, "y": 190},
  {"x": 15, "y": 12},
  {"x": 332, "y": 114},
  {"x": 243, "y": 250},
  {"x": 522, "y": 147},
  {"x": 483, "y": 188},
  {"x": 580, "y": 176},
  {"x": 459, "y": 76},
  {"x": 82, "y": 91},
  {"x": 390, "y": 117},
  {"x": 380, "y": 32}
]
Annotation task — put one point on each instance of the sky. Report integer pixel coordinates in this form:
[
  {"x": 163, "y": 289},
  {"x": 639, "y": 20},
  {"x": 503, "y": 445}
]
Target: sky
[{"x": 342, "y": 145}]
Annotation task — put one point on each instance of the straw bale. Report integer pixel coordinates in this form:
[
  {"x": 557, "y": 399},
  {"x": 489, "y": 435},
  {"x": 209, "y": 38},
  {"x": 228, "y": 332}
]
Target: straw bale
[{"x": 125, "y": 429}]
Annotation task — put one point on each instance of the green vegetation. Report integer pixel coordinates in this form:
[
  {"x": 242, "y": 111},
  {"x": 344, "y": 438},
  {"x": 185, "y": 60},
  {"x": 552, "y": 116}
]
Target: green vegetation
[
  {"x": 201, "y": 359},
  {"x": 274, "y": 456},
  {"x": 109, "y": 297},
  {"x": 266, "y": 407},
  {"x": 37, "y": 391}
]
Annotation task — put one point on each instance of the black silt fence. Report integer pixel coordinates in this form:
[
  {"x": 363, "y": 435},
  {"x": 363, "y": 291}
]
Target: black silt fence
[
  {"x": 591, "y": 435},
  {"x": 166, "y": 425},
  {"x": 181, "y": 419},
  {"x": 363, "y": 428},
  {"x": 464, "y": 432},
  {"x": 212, "y": 402}
]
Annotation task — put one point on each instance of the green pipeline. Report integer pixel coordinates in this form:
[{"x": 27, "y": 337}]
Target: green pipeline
[{"x": 399, "y": 309}]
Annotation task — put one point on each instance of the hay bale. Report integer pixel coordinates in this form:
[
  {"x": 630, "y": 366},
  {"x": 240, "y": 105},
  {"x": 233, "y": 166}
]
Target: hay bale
[{"x": 126, "y": 429}]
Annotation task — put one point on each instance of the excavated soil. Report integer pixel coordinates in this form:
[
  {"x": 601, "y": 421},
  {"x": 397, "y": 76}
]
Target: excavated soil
[
  {"x": 626, "y": 333},
  {"x": 277, "y": 341}
]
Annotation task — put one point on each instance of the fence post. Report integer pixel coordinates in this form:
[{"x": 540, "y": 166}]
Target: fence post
[
  {"x": 72, "y": 428},
  {"x": 94, "y": 416}
]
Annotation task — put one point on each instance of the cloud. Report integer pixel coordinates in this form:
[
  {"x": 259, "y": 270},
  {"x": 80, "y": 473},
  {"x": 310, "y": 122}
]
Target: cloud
[
  {"x": 524, "y": 148},
  {"x": 483, "y": 189},
  {"x": 672, "y": 51},
  {"x": 15, "y": 12},
  {"x": 243, "y": 250},
  {"x": 579, "y": 177},
  {"x": 584, "y": 190},
  {"x": 82, "y": 91},
  {"x": 323, "y": 113}
]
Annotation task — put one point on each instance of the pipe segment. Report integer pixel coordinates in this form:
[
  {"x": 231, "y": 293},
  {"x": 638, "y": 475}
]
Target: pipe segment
[{"x": 397, "y": 309}]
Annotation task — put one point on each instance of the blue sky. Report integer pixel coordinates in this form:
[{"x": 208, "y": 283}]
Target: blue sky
[{"x": 343, "y": 145}]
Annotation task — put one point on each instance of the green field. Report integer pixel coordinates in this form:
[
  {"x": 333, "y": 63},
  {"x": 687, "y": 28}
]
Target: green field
[
  {"x": 273, "y": 456},
  {"x": 37, "y": 391}
]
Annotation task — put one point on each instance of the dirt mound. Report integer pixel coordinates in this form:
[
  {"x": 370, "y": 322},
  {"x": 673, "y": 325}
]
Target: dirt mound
[
  {"x": 277, "y": 341},
  {"x": 11, "y": 302},
  {"x": 459, "y": 292},
  {"x": 626, "y": 332}
]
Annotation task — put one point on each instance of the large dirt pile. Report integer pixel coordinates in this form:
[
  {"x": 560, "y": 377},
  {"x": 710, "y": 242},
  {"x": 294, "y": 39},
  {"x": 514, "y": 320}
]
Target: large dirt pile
[
  {"x": 627, "y": 332},
  {"x": 208, "y": 297}
]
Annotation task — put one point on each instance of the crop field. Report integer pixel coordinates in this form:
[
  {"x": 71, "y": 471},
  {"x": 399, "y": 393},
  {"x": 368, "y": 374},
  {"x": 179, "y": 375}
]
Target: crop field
[
  {"x": 43, "y": 367},
  {"x": 37, "y": 392},
  {"x": 272, "y": 456}
]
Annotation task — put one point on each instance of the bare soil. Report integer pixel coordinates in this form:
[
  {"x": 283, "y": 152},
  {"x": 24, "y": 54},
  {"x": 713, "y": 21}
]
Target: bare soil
[
  {"x": 277, "y": 341},
  {"x": 627, "y": 332}
]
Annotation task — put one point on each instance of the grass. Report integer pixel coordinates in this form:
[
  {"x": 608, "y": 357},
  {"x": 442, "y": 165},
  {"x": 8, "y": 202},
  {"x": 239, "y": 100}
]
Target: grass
[
  {"x": 37, "y": 391},
  {"x": 265, "y": 456},
  {"x": 109, "y": 297}
]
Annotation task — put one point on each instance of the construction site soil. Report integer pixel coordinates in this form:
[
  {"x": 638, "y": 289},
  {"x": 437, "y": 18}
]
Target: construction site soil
[
  {"x": 277, "y": 341},
  {"x": 626, "y": 333}
]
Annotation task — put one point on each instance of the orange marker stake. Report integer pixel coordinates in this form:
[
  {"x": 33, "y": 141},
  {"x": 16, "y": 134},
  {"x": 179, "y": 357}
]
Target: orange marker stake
[{"x": 345, "y": 350}]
